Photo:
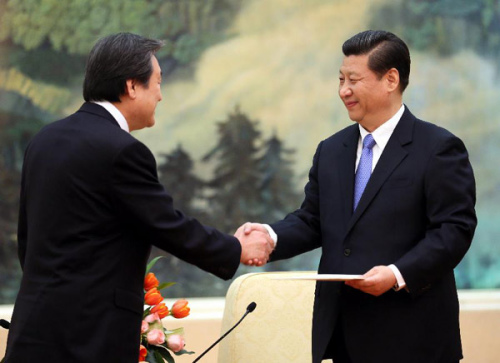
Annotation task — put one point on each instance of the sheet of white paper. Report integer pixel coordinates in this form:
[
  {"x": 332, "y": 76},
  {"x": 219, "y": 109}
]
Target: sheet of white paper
[{"x": 321, "y": 277}]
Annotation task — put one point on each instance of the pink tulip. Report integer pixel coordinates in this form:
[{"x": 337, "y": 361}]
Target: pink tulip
[
  {"x": 175, "y": 343},
  {"x": 151, "y": 318},
  {"x": 144, "y": 327},
  {"x": 156, "y": 337}
]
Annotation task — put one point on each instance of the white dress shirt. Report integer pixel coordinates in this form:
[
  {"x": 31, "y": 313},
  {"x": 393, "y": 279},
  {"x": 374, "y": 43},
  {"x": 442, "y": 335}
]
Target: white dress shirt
[{"x": 381, "y": 135}]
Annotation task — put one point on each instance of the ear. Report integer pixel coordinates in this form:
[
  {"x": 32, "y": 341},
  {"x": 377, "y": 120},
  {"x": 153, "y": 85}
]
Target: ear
[
  {"x": 131, "y": 88},
  {"x": 392, "y": 79}
]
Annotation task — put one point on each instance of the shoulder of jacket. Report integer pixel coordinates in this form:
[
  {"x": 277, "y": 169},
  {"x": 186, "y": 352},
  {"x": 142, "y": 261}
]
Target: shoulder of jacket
[
  {"x": 431, "y": 130},
  {"x": 342, "y": 134}
]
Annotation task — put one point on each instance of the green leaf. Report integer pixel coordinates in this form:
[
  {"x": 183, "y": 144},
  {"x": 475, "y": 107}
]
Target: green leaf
[
  {"x": 151, "y": 357},
  {"x": 178, "y": 331},
  {"x": 152, "y": 263},
  {"x": 184, "y": 351},
  {"x": 164, "y": 285},
  {"x": 146, "y": 312},
  {"x": 162, "y": 354},
  {"x": 165, "y": 353},
  {"x": 156, "y": 325}
]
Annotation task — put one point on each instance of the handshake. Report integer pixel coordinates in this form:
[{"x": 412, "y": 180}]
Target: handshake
[{"x": 256, "y": 244}]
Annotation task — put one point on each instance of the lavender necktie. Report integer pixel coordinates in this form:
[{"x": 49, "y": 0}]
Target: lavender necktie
[{"x": 364, "y": 168}]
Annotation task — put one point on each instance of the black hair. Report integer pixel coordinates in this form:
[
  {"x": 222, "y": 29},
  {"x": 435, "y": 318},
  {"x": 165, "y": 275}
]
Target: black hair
[
  {"x": 115, "y": 59},
  {"x": 385, "y": 51}
]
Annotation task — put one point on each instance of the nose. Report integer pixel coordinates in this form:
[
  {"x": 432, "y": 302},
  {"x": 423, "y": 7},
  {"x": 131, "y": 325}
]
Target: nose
[{"x": 344, "y": 90}]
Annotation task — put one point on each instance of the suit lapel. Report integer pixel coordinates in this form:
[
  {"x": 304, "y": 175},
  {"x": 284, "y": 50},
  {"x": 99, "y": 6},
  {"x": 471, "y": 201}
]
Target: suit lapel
[
  {"x": 346, "y": 169},
  {"x": 392, "y": 156}
]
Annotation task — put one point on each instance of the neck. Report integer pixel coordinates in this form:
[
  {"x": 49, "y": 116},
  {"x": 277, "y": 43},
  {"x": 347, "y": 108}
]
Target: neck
[
  {"x": 374, "y": 123},
  {"x": 122, "y": 107}
]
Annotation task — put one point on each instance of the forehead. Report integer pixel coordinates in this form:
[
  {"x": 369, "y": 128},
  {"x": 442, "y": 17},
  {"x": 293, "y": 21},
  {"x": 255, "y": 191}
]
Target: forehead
[
  {"x": 355, "y": 64},
  {"x": 156, "y": 66}
]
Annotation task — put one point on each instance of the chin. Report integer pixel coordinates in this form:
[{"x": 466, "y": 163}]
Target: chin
[{"x": 354, "y": 118}]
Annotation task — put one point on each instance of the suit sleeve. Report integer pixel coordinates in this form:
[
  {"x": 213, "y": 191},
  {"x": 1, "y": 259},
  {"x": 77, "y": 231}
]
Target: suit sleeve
[
  {"x": 149, "y": 211},
  {"x": 300, "y": 231},
  {"x": 451, "y": 220}
]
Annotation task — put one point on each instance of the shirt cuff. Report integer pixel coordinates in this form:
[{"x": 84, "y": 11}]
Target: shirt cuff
[
  {"x": 400, "y": 281},
  {"x": 271, "y": 232}
]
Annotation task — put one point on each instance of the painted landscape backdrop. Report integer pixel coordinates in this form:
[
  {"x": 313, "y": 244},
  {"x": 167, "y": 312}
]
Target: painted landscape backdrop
[{"x": 250, "y": 90}]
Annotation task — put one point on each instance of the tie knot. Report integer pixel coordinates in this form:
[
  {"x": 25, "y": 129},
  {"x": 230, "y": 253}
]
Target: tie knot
[{"x": 368, "y": 142}]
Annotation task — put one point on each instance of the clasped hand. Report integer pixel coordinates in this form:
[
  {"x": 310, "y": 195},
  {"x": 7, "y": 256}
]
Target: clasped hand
[{"x": 256, "y": 244}]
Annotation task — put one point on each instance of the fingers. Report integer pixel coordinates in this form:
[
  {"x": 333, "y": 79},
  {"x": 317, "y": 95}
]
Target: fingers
[
  {"x": 249, "y": 227},
  {"x": 369, "y": 279},
  {"x": 259, "y": 263},
  {"x": 377, "y": 281},
  {"x": 254, "y": 262}
]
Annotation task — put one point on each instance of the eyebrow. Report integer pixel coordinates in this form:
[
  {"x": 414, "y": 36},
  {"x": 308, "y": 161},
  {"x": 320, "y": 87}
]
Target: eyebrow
[{"x": 357, "y": 74}]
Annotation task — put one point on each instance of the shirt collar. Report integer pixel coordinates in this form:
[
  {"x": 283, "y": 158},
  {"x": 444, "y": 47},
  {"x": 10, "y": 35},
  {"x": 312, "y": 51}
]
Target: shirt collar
[
  {"x": 115, "y": 112},
  {"x": 383, "y": 133}
]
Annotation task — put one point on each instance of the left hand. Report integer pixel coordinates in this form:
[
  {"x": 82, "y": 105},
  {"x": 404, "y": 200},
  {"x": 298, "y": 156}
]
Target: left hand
[{"x": 376, "y": 281}]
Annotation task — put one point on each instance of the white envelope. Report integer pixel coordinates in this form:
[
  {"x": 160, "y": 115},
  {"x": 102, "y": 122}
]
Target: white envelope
[{"x": 320, "y": 277}]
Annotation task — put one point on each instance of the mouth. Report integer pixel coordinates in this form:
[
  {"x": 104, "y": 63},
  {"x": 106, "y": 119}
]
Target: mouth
[{"x": 350, "y": 104}]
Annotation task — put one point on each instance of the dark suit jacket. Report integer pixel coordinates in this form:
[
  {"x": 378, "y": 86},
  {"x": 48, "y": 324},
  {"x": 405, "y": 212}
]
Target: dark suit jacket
[
  {"x": 417, "y": 212},
  {"x": 91, "y": 208}
]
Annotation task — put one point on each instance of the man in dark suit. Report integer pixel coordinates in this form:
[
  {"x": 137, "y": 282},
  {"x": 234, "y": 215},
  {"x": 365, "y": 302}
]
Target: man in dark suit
[
  {"x": 405, "y": 226},
  {"x": 91, "y": 208}
]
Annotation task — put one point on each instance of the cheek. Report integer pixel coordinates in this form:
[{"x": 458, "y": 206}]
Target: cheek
[{"x": 364, "y": 97}]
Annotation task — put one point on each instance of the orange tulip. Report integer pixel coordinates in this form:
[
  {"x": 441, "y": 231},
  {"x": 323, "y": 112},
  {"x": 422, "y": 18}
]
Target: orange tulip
[
  {"x": 143, "y": 352},
  {"x": 150, "y": 281},
  {"x": 180, "y": 309},
  {"x": 153, "y": 297},
  {"x": 161, "y": 309}
]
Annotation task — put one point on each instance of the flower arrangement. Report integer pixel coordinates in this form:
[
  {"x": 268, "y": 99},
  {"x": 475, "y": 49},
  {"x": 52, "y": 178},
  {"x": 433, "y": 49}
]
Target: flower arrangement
[{"x": 156, "y": 341}]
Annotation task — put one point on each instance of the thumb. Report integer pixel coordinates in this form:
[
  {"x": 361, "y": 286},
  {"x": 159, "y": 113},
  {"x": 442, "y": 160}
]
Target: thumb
[
  {"x": 248, "y": 227},
  {"x": 373, "y": 271}
]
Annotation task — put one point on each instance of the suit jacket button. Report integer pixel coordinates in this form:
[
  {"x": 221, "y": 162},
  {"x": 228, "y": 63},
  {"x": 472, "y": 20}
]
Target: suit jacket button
[{"x": 347, "y": 252}]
